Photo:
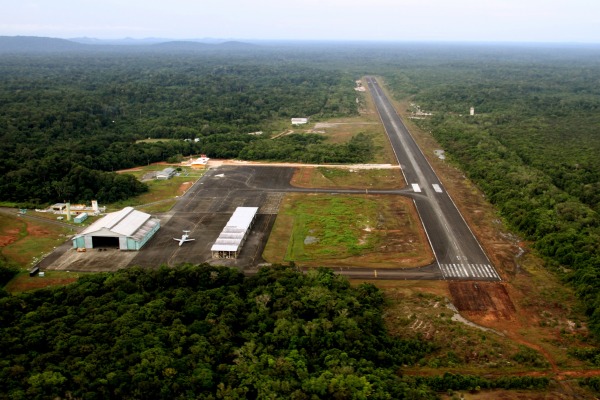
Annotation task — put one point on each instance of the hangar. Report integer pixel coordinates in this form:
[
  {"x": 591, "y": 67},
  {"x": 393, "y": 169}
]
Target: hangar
[
  {"x": 232, "y": 238},
  {"x": 127, "y": 229}
]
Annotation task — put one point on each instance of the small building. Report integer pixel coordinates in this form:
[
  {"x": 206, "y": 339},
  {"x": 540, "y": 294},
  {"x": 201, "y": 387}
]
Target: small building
[
  {"x": 80, "y": 218},
  {"x": 69, "y": 209},
  {"x": 299, "y": 121},
  {"x": 166, "y": 173},
  {"x": 200, "y": 163},
  {"x": 127, "y": 229},
  {"x": 231, "y": 240},
  {"x": 58, "y": 208}
]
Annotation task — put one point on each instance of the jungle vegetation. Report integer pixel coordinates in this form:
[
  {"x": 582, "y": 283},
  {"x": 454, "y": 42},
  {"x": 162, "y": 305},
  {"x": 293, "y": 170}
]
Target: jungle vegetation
[
  {"x": 209, "y": 332},
  {"x": 68, "y": 120}
]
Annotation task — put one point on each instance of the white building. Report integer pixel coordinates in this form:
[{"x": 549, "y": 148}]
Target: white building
[
  {"x": 200, "y": 163},
  {"x": 232, "y": 238},
  {"x": 299, "y": 121},
  {"x": 166, "y": 173},
  {"x": 127, "y": 229}
]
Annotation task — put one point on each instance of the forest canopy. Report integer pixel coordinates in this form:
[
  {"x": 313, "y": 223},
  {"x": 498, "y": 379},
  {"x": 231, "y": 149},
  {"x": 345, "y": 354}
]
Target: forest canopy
[
  {"x": 208, "y": 332},
  {"x": 66, "y": 116},
  {"x": 202, "y": 332}
]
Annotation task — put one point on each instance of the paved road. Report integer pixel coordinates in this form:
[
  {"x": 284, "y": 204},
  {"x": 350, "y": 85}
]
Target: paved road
[{"x": 457, "y": 251}]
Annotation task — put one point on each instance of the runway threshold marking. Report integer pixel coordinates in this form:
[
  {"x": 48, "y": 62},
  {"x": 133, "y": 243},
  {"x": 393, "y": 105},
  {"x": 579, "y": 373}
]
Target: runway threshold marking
[
  {"x": 437, "y": 188},
  {"x": 469, "y": 271},
  {"x": 416, "y": 187}
]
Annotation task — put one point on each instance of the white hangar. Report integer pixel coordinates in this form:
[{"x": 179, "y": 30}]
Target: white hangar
[
  {"x": 127, "y": 229},
  {"x": 232, "y": 238}
]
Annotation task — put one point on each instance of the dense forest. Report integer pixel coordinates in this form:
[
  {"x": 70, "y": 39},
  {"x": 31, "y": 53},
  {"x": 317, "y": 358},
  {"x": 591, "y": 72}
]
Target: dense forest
[
  {"x": 208, "y": 332},
  {"x": 532, "y": 146},
  {"x": 67, "y": 121}
]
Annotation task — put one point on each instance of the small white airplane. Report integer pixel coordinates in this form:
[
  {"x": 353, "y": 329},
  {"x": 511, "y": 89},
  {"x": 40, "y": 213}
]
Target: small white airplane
[{"x": 184, "y": 238}]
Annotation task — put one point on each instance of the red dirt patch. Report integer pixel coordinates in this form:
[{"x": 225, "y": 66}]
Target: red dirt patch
[
  {"x": 184, "y": 187},
  {"x": 36, "y": 230},
  {"x": 482, "y": 297},
  {"x": 10, "y": 236}
]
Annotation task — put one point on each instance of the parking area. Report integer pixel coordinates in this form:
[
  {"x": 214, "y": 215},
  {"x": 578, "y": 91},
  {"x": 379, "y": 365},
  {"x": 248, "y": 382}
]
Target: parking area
[{"x": 203, "y": 210}]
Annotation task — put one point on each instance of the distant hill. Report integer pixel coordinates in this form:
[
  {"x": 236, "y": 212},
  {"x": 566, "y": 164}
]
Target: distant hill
[
  {"x": 237, "y": 44},
  {"x": 182, "y": 45},
  {"x": 119, "y": 42},
  {"x": 189, "y": 45},
  {"x": 34, "y": 44}
]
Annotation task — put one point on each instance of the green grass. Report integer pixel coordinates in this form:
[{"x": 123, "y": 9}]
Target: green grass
[
  {"x": 324, "y": 177},
  {"x": 162, "y": 194},
  {"x": 358, "y": 230},
  {"x": 23, "y": 282},
  {"x": 336, "y": 223},
  {"x": 9, "y": 204},
  {"x": 34, "y": 239}
]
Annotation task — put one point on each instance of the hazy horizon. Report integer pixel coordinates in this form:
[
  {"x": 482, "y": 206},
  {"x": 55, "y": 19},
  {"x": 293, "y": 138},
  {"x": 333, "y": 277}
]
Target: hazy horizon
[{"x": 529, "y": 21}]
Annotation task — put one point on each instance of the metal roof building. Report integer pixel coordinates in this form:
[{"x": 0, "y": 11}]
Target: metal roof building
[
  {"x": 232, "y": 238},
  {"x": 166, "y": 173},
  {"x": 200, "y": 163},
  {"x": 127, "y": 229}
]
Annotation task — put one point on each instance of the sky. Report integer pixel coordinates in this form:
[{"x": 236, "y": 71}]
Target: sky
[{"x": 368, "y": 20}]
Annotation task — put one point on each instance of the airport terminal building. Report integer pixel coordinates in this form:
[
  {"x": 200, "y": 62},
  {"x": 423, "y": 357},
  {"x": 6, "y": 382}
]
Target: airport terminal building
[{"x": 127, "y": 229}]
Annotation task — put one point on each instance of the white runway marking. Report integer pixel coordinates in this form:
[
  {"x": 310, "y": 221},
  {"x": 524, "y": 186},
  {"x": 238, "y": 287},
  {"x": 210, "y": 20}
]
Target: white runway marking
[
  {"x": 416, "y": 187},
  {"x": 466, "y": 271},
  {"x": 437, "y": 188}
]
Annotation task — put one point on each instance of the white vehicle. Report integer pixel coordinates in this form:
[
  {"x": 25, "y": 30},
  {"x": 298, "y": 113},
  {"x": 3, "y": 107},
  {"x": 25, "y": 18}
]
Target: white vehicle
[{"x": 184, "y": 238}]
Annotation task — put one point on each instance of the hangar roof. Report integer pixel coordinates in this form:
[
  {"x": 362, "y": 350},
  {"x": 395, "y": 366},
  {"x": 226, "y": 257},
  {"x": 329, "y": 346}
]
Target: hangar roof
[
  {"x": 234, "y": 232},
  {"x": 126, "y": 222}
]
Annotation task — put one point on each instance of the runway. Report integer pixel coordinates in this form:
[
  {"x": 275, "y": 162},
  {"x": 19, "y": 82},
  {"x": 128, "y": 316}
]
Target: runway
[{"x": 458, "y": 253}]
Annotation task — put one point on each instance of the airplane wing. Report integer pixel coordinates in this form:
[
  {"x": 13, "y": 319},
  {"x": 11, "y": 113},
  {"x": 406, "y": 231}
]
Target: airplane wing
[{"x": 183, "y": 240}]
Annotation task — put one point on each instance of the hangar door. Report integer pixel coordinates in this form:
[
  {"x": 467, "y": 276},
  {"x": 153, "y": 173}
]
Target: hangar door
[{"x": 105, "y": 241}]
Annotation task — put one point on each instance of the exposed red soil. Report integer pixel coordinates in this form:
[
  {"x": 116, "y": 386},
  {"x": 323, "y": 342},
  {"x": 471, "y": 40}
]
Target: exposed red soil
[
  {"x": 483, "y": 297},
  {"x": 184, "y": 187},
  {"x": 36, "y": 230},
  {"x": 10, "y": 236}
]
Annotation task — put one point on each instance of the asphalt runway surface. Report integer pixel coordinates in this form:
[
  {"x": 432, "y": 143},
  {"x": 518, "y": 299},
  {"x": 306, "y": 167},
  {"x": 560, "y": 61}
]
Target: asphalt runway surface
[{"x": 458, "y": 253}]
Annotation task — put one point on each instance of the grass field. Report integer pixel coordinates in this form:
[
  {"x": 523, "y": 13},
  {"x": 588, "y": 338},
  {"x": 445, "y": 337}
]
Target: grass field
[
  {"x": 342, "y": 178},
  {"x": 25, "y": 241},
  {"x": 23, "y": 282},
  {"x": 361, "y": 230},
  {"x": 162, "y": 194}
]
